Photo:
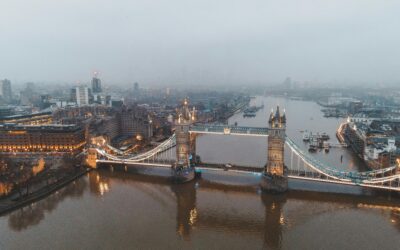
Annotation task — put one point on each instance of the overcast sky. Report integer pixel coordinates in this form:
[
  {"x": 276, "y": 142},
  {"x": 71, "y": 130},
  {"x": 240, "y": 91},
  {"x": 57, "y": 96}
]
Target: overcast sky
[{"x": 203, "y": 41}]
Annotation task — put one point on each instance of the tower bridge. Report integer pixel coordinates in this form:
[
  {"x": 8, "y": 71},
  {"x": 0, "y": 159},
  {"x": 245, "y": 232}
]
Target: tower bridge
[{"x": 274, "y": 175}]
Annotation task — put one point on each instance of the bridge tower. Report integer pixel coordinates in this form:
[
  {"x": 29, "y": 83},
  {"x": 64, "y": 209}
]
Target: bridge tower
[
  {"x": 91, "y": 158},
  {"x": 275, "y": 172},
  {"x": 183, "y": 169}
]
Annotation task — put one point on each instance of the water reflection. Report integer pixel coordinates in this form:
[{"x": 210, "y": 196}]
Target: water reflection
[
  {"x": 186, "y": 216},
  {"x": 274, "y": 220},
  {"x": 233, "y": 215},
  {"x": 268, "y": 222},
  {"x": 33, "y": 214},
  {"x": 98, "y": 184}
]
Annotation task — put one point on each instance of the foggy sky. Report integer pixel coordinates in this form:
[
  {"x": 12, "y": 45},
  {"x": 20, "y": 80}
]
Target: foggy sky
[{"x": 200, "y": 42}]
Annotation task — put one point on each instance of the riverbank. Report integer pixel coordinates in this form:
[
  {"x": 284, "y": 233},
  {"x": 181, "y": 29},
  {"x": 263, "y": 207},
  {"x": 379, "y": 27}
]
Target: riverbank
[
  {"x": 9, "y": 203},
  {"x": 237, "y": 109}
]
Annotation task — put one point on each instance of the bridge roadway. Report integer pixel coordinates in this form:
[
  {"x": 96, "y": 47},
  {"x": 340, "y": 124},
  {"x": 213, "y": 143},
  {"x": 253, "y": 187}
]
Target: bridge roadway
[
  {"x": 292, "y": 174},
  {"x": 232, "y": 168},
  {"x": 387, "y": 178},
  {"x": 256, "y": 170},
  {"x": 165, "y": 164},
  {"x": 228, "y": 130}
]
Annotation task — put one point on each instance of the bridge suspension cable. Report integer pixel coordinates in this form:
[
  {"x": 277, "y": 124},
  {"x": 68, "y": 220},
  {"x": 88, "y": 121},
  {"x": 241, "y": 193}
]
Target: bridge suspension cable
[
  {"x": 364, "y": 178},
  {"x": 164, "y": 146}
]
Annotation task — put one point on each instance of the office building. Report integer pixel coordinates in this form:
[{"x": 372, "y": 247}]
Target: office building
[
  {"x": 96, "y": 85},
  {"x": 82, "y": 95},
  {"x": 5, "y": 90},
  {"x": 43, "y": 138}
]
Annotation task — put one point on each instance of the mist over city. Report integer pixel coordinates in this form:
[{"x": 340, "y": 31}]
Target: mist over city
[
  {"x": 200, "y": 42},
  {"x": 199, "y": 124}
]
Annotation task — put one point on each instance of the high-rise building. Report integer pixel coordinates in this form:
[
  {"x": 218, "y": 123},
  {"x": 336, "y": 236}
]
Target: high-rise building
[
  {"x": 73, "y": 95},
  {"x": 136, "y": 87},
  {"x": 28, "y": 96},
  {"x": 96, "y": 85},
  {"x": 5, "y": 90},
  {"x": 287, "y": 84},
  {"x": 82, "y": 95}
]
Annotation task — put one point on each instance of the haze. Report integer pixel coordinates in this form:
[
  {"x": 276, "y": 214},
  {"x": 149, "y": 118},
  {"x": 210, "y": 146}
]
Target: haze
[{"x": 200, "y": 42}]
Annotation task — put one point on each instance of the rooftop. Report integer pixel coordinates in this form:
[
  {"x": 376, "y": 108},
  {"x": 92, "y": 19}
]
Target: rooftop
[
  {"x": 47, "y": 128},
  {"x": 13, "y": 117}
]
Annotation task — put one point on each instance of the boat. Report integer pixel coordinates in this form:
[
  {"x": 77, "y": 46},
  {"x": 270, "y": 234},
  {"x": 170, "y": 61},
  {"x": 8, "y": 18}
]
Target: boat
[
  {"x": 306, "y": 136},
  {"x": 251, "y": 111},
  {"x": 326, "y": 146},
  {"x": 249, "y": 114},
  {"x": 314, "y": 145},
  {"x": 324, "y": 136},
  {"x": 312, "y": 148}
]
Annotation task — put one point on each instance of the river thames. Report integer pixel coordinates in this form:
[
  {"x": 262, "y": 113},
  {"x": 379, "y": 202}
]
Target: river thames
[{"x": 123, "y": 210}]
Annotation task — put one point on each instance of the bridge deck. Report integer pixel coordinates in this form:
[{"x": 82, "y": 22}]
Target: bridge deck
[
  {"x": 292, "y": 174},
  {"x": 224, "y": 167},
  {"x": 127, "y": 163},
  {"x": 227, "y": 130}
]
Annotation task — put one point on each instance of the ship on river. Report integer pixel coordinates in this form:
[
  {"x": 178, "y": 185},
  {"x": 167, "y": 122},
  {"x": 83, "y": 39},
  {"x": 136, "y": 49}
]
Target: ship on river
[
  {"x": 252, "y": 110},
  {"x": 309, "y": 136}
]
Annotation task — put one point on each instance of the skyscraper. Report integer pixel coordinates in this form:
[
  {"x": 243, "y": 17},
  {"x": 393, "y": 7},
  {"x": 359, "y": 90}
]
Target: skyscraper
[
  {"x": 82, "y": 95},
  {"x": 96, "y": 84},
  {"x": 136, "y": 87},
  {"x": 136, "y": 90},
  {"x": 287, "y": 84},
  {"x": 5, "y": 90}
]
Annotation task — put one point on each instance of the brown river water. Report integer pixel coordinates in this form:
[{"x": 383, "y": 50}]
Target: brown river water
[{"x": 122, "y": 210}]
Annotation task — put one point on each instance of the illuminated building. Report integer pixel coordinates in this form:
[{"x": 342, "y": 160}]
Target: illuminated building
[
  {"x": 41, "y": 118},
  {"x": 45, "y": 138},
  {"x": 82, "y": 95}
]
